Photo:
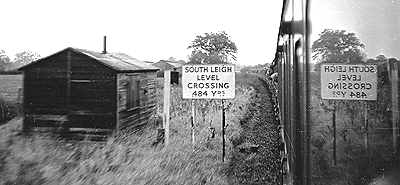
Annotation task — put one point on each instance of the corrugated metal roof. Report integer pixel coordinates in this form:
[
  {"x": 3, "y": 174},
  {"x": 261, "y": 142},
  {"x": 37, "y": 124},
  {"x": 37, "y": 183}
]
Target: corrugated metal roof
[
  {"x": 164, "y": 65},
  {"x": 172, "y": 64},
  {"x": 118, "y": 61},
  {"x": 149, "y": 62},
  {"x": 175, "y": 64}
]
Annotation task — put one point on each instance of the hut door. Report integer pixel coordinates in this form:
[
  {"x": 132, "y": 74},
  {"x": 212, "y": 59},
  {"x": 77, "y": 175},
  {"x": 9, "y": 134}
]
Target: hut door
[
  {"x": 143, "y": 92},
  {"x": 133, "y": 95}
]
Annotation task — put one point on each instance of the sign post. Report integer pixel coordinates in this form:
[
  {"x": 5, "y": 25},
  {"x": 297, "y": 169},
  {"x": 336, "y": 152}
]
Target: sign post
[
  {"x": 223, "y": 130},
  {"x": 209, "y": 82},
  {"x": 192, "y": 124}
]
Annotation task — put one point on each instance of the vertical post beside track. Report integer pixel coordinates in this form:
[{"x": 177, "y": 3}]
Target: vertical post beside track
[
  {"x": 223, "y": 130},
  {"x": 334, "y": 133},
  {"x": 366, "y": 127},
  {"x": 192, "y": 124},
  {"x": 395, "y": 103},
  {"x": 167, "y": 97}
]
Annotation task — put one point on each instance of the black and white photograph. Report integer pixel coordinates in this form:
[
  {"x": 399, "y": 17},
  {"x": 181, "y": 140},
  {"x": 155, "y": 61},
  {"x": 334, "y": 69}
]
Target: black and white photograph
[{"x": 211, "y": 92}]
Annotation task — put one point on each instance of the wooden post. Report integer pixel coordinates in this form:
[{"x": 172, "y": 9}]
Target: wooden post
[
  {"x": 366, "y": 127},
  {"x": 334, "y": 133},
  {"x": 117, "y": 126},
  {"x": 167, "y": 92},
  {"x": 192, "y": 124},
  {"x": 223, "y": 130},
  {"x": 392, "y": 68},
  {"x": 395, "y": 103}
]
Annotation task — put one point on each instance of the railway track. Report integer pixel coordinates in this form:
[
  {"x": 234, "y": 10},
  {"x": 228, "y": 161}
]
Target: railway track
[{"x": 256, "y": 156}]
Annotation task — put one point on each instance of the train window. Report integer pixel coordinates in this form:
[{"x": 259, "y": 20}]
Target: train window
[
  {"x": 338, "y": 65},
  {"x": 353, "y": 95}
]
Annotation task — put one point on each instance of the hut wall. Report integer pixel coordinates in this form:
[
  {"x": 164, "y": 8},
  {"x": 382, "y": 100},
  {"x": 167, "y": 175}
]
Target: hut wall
[
  {"x": 92, "y": 94},
  {"x": 45, "y": 89},
  {"x": 137, "y": 100},
  {"x": 69, "y": 90}
]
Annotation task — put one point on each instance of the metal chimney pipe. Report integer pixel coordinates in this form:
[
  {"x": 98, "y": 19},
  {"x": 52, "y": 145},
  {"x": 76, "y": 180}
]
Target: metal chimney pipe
[{"x": 105, "y": 45}]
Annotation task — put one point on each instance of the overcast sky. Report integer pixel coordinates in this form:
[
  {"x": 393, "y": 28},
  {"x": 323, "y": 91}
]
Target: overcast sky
[
  {"x": 158, "y": 29},
  {"x": 375, "y": 22}
]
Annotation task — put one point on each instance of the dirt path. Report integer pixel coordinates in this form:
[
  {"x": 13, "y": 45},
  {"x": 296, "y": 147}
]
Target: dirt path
[{"x": 255, "y": 158}]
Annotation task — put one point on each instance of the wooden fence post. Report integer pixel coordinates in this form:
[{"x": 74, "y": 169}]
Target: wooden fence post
[
  {"x": 167, "y": 97},
  {"x": 334, "y": 134}
]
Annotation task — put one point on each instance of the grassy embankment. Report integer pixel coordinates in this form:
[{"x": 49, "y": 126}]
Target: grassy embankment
[{"x": 131, "y": 158}]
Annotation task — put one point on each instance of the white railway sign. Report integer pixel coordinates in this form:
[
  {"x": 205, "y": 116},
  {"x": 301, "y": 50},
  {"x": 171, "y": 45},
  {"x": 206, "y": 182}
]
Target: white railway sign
[
  {"x": 208, "y": 81},
  {"x": 348, "y": 82}
]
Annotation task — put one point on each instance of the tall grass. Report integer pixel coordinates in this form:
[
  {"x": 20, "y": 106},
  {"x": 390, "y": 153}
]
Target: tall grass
[
  {"x": 8, "y": 110},
  {"x": 10, "y": 96},
  {"x": 130, "y": 158}
]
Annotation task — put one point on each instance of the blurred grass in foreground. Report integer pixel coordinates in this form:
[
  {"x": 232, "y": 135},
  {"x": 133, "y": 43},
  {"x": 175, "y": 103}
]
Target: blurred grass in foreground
[{"x": 130, "y": 158}]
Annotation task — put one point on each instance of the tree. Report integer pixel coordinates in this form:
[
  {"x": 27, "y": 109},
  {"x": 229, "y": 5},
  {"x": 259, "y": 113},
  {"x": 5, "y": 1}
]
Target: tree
[
  {"x": 4, "y": 60},
  {"x": 337, "y": 46},
  {"x": 25, "y": 57},
  {"x": 212, "y": 48},
  {"x": 22, "y": 58}
]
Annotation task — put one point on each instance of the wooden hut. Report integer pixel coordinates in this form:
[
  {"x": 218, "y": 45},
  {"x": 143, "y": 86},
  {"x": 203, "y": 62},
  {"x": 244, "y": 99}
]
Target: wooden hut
[{"x": 77, "y": 89}]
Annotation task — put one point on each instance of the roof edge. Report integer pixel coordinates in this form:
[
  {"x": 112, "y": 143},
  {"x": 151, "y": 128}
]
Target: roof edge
[
  {"x": 137, "y": 71},
  {"x": 78, "y": 51},
  {"x": 41, "y": 59}
]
